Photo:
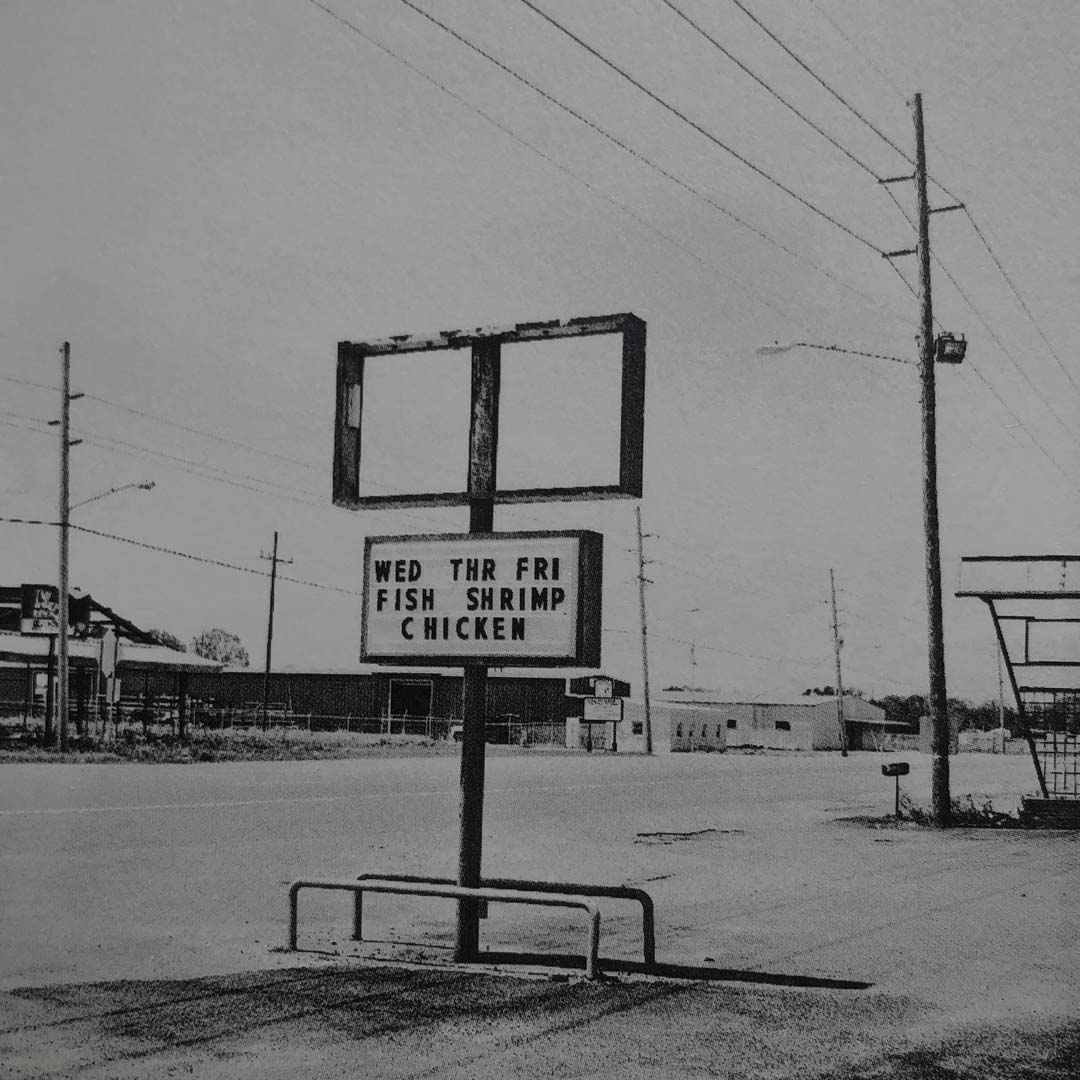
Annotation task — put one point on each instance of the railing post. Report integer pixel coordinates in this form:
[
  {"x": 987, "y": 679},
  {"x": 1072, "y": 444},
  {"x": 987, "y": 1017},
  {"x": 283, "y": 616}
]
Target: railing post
[
  {"x": 294, "y": 894},
  {"x": 358, "y": 916}
]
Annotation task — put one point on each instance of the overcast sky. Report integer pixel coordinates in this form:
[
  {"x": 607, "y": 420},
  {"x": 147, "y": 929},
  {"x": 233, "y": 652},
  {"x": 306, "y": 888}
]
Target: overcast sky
[{"x": 204, "y": 198}]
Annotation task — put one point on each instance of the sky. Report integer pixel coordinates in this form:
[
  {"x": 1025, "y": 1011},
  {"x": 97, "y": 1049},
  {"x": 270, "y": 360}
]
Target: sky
[{"x": 205, "y": 198}]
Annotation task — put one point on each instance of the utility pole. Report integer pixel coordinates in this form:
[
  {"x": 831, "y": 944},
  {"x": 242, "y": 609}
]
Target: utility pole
[
  {"x": 65, "y": 513},
  {"x": 837, "y": 644},
  {"x": 939, "y": 715},
  {"x": 274, "y": 560},
  {"x": 644, "y": 631}
]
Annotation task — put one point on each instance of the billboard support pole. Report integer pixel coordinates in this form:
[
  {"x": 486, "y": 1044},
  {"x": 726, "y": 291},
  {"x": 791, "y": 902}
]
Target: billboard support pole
[{"x": 483, "y": 453}]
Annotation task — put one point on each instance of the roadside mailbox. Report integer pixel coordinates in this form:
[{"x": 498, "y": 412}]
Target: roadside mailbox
[{"x": 896, "y": 769}]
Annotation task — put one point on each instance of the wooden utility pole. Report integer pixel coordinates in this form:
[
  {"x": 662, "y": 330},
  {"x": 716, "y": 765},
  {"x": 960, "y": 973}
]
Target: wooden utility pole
[
  {"x": 939, "y": 715},
  {"x": 65, "y": 514},
  {"x": 644, "y": 631},
  {"x": 837, "y": 643},
  {"x": 483, "y": 455},
  {"x": 274, "y": 560}
]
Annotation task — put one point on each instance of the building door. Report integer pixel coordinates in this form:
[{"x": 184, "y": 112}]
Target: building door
[{"x": 410, "y": 705}]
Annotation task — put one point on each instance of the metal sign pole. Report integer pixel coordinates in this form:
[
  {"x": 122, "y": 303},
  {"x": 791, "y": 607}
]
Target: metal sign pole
[{"x": 483, "y": 453}]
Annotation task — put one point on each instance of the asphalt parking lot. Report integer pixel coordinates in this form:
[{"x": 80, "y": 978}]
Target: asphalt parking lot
[{"x": 143, "y": 913}]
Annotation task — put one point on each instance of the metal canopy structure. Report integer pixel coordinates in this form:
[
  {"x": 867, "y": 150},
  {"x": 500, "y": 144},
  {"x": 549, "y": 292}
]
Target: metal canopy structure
[{"x": 1034, "y": 601}]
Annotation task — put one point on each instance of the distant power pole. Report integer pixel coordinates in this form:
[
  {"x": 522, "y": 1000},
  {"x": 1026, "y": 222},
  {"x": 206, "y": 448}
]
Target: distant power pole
[
  {"x": 66, "y": 443},
  {"x": 837, "y": 644},
  {"x": 274, "y": 560},
  {"x": 644, "y": 631}
]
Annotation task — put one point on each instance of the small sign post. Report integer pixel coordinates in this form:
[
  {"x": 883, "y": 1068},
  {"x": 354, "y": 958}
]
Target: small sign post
[{"x": 897, "y": 769}]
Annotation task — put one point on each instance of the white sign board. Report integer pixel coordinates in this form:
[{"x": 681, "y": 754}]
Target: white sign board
[
  {"x": 599, "y": 710},
  {"x": 506, "y": 599}
]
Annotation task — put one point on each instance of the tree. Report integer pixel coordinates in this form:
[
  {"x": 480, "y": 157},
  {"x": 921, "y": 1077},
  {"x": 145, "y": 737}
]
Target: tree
[
  {"x": 829, "y": 691},
  {"x": 221, "y": 646},
  {"x": 170, "y": 641}
]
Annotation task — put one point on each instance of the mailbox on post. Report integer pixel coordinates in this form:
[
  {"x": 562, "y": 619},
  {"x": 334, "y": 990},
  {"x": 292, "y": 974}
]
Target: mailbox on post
[{"x": 897, "y": 769}]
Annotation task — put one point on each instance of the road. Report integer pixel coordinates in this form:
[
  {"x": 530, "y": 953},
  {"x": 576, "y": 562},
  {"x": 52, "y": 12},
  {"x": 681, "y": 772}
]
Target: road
[{"x": 124, "y": 872}]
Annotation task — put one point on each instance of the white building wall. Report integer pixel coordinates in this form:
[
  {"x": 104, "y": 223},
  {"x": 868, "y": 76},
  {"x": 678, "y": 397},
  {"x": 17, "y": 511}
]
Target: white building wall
[{"x": 675, "y": 728}]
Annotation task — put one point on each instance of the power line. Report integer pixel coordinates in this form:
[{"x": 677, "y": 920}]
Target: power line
[
  {"x": 211, "y": 562},
  {"x": 1019, "y": 298},
  {"x": 23, "y": 416},
  {"x": 817, "y": 78},
  {"x": 1020, "y": 423},
  {"x": 835, "y": 93},
  {"x": 719, "y": 649},
  {"x": 869, "y": 61},
  {"x": 888, "y": 81},
  {"x": 637, "y": 155},
  {"x": 29, "y": 382},
  {"x": 594, "y": 189},
  {"x": 203, "y": 434},
  {"x": 103, "y": 442},
  {"x": 1001, "y": 345},
  {"x": 779, "y": 97},
  {"x": 158, "y": 419},
  {"x": 697, "y": 127},
  {"x": 179, "y": 554},
  {"x": 182, "y": 465}
]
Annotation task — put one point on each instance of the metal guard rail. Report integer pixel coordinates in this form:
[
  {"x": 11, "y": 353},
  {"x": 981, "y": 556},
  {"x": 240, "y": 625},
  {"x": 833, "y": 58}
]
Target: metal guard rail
[
  {"x": 457, "y": 892},
  {"x": 564, "y": 888}
]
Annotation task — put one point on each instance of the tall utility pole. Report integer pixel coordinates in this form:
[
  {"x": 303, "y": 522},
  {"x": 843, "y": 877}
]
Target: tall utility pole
[
  {"x": 837, "y": 643},
  {"x": 644, "y": 631},
  {"x": 274, "y": 560},
  {"x": 939, "y": 715},
  {"x": 65, "y": 513}
]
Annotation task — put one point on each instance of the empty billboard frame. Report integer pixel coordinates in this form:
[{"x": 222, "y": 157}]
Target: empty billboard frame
[{"x": 350, "y": 401}]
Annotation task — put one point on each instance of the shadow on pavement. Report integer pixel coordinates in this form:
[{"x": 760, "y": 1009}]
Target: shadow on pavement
[{"x": 672, "y": 971}]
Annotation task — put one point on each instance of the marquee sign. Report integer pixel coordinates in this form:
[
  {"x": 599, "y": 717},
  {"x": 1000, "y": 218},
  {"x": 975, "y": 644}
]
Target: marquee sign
[{"x": 512, "y": 599}]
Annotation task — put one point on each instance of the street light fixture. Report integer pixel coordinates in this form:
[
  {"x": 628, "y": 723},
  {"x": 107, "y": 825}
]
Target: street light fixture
[
  {"x": 777, "y": 347},
  {"x": 147, "y": 486}
]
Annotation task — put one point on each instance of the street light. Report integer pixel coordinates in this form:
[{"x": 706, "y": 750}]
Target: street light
[
  {"x": 776, "y": 348},
  {"x": 147, "y": 486},
  {"x": 946, "y": 349},
  {"x": 65, "y": 512}
]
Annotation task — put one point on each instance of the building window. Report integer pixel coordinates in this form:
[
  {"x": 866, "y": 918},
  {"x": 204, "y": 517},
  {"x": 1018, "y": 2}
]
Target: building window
[
  {"x": 732, "y": 724},
  {"x": 704, "y": 731},
  {"x": 783, "y": 725},
  {"x": 678, "y": 731},
  {"x": 410, "y": 698},
  {"x": 636, "y": 727},
  {"x": 718, "y": 730}
]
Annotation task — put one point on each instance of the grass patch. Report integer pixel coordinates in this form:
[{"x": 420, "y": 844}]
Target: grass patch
[
  {"x": 968, "y": 812},
  {"x": 210, "y": 746}
]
